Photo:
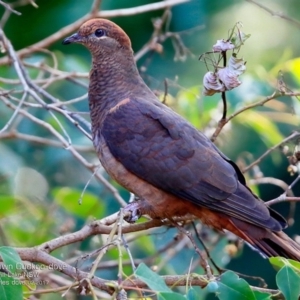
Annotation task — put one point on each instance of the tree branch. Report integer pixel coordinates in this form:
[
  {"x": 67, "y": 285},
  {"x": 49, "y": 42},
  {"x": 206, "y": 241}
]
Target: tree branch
[{"x": 257, "y": 161}]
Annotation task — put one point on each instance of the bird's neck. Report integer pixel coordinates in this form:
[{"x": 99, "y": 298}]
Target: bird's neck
[{"x": 112, "y": 80}]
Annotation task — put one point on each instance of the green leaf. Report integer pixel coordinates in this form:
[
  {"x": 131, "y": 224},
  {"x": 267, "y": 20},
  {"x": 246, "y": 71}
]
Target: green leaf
[
  {"x": 11, "y": 260},
  {"x": 279, "y": 262},
  {"x": 153, "y": 280},
  {"x": 262, "y": 296},
  {"x": 231, "y": 287},
  {"x": 295, "y": 265},
  {"x": 68, "y": 199},
  {"x": 288, "y": 282},
  {"x": 170, "y": 296},
  {"x": 10, "y": 288}
]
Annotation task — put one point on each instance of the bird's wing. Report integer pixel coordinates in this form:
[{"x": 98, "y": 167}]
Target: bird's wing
[{"x": 157, "y": 145}]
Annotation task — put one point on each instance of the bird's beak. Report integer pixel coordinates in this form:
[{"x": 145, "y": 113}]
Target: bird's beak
[{"x": 74, "y": 38}]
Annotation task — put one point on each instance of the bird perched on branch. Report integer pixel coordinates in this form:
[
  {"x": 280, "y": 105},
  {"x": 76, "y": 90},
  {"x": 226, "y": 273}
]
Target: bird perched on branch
[{"x": 156, "y": 154}]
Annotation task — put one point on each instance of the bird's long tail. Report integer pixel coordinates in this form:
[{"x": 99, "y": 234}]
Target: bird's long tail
[
  {"x": 268, "y": 242},
  {"x": 279, "y": 244}
]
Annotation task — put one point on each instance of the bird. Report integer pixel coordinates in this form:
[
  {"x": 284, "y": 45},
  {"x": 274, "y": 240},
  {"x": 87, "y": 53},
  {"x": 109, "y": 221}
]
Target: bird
[{"x": 171, "y": 166}]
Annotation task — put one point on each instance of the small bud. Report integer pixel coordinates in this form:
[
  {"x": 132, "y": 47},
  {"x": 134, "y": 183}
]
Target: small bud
[
  {"x": 143, "y": 69},
  {"x": 154, "y": 268},
  {"x": 285, "y": 149},
  {"x": 292, "y": 170},
  {"x": 158, "y": 48},
  {"x": 231, "y": 250}
]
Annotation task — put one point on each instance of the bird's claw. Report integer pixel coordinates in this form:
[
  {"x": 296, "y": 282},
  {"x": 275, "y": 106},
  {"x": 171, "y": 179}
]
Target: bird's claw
[{"x": 132, "y": 212}]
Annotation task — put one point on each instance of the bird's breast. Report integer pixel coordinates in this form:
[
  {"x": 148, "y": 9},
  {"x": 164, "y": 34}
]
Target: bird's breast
[{"x": 118, "y": 172}]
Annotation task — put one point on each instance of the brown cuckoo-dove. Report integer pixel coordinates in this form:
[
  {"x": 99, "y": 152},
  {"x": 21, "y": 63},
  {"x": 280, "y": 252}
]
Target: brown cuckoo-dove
[{"x": 156, "y": 154}]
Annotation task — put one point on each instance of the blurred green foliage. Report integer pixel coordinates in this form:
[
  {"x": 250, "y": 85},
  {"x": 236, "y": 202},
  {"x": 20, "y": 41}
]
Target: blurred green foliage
[{"x": 40, "y": 185}]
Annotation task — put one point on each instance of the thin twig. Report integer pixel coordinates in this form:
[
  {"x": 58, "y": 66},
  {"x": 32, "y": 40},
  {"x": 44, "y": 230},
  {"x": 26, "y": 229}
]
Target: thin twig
[
  {"x": 294, "y": 135},
  {"x": 165, "y": 92},
  {"x": 282, "y": 198},
  {"x": 95, "y": 7},
  {"x": 223, "y": 94},
  {"x": 205, "y": 249},
  {"x": 10, "y": 8},
  {"x": 274, "y": 181},
  {"x": 26, "y": 83},
  {"x": 13, "y": 134},
  {"x": 15, "y": 113},
  {"x": 276, "y": 14},
  {"x": 205, "y": 265}
]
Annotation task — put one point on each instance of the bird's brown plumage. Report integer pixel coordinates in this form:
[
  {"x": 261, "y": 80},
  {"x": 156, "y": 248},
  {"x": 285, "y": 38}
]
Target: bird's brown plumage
[{"x": 156, "y": 154}]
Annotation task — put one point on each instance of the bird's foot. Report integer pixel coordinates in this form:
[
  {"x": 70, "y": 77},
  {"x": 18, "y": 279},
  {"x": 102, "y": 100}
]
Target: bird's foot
[{"x": 132, "y": 212}]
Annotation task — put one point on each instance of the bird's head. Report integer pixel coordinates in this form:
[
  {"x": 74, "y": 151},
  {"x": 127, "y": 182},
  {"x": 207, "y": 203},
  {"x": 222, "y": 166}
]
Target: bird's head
[{"x": 100, "y": 35}]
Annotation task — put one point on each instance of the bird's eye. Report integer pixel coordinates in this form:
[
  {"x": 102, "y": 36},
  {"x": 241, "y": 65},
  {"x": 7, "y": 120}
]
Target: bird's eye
[{"x": 99, "y": 32}]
